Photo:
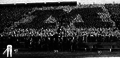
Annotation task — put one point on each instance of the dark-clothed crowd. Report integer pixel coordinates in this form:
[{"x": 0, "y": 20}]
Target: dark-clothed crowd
[{"x": 55, "y": 42}]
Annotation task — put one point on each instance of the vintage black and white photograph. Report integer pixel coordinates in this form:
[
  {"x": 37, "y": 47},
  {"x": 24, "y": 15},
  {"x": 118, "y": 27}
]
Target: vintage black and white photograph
[{"x": 59, "y": 29}]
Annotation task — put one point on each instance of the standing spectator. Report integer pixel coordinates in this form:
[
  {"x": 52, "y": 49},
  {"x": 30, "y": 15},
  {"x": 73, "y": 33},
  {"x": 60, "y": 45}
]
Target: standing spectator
[{"x": 8, "y": 50}]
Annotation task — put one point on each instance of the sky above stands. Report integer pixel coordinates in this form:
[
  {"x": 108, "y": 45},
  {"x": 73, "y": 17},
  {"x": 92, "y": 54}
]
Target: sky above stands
[{"x": 82, "y": 1}]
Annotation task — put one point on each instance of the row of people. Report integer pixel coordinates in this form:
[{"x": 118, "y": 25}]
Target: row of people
[{"x": 51, "y": 43}]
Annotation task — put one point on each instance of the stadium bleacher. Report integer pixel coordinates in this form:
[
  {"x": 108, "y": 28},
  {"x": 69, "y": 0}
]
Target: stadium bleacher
[{"x": 68, "y": 35}]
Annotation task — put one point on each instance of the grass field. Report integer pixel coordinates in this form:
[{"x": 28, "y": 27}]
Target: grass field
[{"x": 104, "y": 54}]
